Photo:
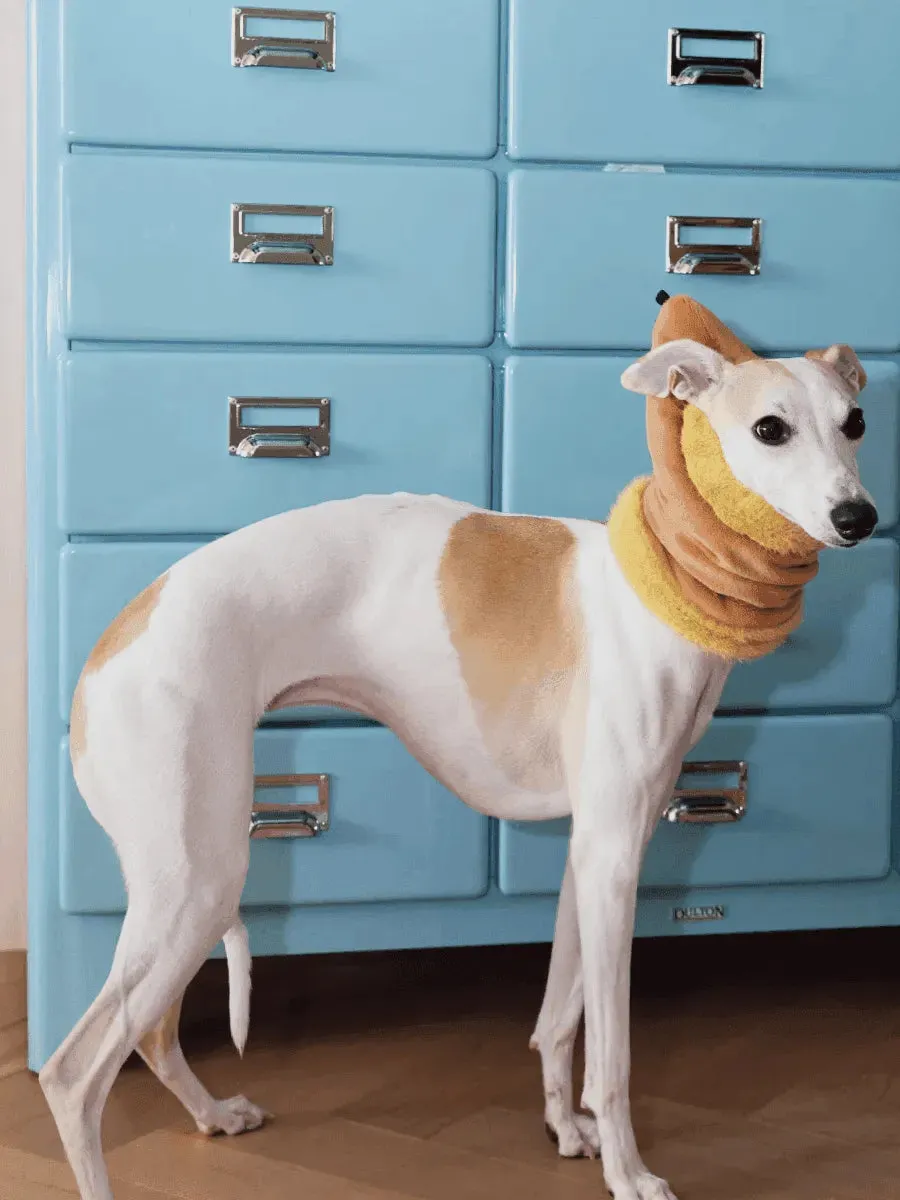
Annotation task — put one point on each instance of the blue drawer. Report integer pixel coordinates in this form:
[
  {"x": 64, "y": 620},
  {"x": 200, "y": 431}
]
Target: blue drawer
[
  {"x": 394, "y": 833},
  {"x": 818, "y": 808},
  {"x": 147, "y": 249},
  {"x": 845, "y": 653},
  {"x": 587, "y": 254},
  {"x": 408, "y": 78},
  {"x": 829, "y": 84},
  {"x": 573, "y": 437},
  {"x": 144, "y": 436}
]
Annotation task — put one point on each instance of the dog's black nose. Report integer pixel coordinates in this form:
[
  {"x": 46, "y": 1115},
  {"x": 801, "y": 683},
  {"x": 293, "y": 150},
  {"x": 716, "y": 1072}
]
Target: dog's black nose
[{"x": 854, "y": 519}]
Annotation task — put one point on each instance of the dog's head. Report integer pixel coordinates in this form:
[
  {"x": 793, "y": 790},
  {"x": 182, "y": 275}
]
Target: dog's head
[{"x": 789, "y": 428}]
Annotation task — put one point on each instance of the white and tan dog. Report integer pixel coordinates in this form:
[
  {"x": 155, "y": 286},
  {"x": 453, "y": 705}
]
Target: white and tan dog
[{"x": 516, "y": 659}]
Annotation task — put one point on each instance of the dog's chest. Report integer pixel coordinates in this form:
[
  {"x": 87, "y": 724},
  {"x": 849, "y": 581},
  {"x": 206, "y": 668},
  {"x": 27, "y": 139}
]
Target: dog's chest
[{"x": 650, "y": 690}]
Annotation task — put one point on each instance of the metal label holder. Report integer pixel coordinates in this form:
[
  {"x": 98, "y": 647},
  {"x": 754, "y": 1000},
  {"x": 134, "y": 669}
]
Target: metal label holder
[
  {"x": 724, "y": 258},
  {"x": 725, "y": 71},
  {"x": 303, "y": 54},
  {"x": 287, "y": 249},
  {"x": 291, "y": 820},
  {"x": 278, "y": 441},
  {"x": 709, "y": 806}
]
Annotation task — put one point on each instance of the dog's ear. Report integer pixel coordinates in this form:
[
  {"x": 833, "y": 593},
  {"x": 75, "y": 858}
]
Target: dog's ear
[
  {"x": 683, "y": 369},
  {"x": 843, "y": 360}
]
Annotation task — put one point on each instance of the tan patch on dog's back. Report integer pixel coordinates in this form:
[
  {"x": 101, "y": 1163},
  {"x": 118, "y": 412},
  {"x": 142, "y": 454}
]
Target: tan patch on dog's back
[
  {"x": 506, "y": 590},
  {"x": 119, "y": 634}
]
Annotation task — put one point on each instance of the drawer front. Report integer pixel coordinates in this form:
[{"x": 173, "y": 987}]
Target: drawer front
[
  {"x": 828, "y": 84},
  {"x": 818, "y": 808},
  {"x": 598, "y": 436},
  {"x": 148, "y": 252},
  {"x": 394, "y": 833},
  {"x": 407, "y": 78},
  {"x": 845, "y": 653},
  {"x": 145, "y": 436},
  {"x": 829, "y": 257}
]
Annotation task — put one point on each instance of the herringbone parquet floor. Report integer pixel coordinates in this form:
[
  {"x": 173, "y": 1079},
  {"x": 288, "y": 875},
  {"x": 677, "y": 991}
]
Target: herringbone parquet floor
[{"x": 764, "y": 1069}]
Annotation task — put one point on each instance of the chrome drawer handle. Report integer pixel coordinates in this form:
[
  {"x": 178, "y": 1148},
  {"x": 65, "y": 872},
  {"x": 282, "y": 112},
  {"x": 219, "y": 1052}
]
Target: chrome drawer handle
[
  {"x": 292, "y": 249},
  {"x": 305, "y": 54},
  {"x": 720, "y": 259},
  {"x": 709, "y": 806},
  {"x": 278, "y": 441},
  {"x": 291, "y": 820},
  {"x": 724, "y": 71}
]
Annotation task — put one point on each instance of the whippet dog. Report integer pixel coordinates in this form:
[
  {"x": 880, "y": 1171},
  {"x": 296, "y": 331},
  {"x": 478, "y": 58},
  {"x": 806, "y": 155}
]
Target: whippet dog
[{"x": 525, "y": 662}]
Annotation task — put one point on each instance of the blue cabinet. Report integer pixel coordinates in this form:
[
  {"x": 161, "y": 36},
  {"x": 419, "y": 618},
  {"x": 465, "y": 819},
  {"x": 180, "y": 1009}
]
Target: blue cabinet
[{"x": 434, "y": 234}]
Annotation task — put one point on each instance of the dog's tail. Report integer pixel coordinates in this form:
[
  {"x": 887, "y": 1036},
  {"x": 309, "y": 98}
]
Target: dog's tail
[{"x": 237, "y": 954}]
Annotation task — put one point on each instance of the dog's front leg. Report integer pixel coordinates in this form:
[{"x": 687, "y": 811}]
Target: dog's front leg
[{"x": 609, "y": 834}]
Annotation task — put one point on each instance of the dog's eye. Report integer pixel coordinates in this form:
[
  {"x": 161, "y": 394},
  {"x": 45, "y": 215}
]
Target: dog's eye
[
  {"x": 772, "y": 430},
  {"x": 855, "y": 425}
]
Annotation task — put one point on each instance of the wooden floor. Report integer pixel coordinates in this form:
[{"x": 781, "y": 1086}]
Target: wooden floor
[{"x": 764, "y": 1069}]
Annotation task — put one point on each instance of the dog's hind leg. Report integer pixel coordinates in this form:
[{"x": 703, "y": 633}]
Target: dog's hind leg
[
  {"x": 161, "y": 947},
  {"x": 161, "y": 1051},
  {"x": 554, "y": 1036}
]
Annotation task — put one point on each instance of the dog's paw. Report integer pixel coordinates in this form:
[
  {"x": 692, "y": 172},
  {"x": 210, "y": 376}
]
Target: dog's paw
[
  {"x": 575, "y": 1137},
  {"x": 651, "y": 1187},
  {"x": 643, "y": 1187},
  {"x": 232, "y": 1117}
]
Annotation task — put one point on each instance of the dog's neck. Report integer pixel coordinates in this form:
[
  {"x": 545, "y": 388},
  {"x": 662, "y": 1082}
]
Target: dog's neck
[{"x": 709, "y": 557}]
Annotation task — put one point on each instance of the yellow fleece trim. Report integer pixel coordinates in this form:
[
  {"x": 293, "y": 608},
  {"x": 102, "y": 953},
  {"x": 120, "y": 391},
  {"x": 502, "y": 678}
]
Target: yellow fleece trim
[
  {"x": 735, "y": 505},
  {"x": 657, "y": 587}
]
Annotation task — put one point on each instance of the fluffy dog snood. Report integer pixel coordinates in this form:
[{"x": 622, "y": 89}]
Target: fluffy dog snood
[{"x": 710, "y": 558}]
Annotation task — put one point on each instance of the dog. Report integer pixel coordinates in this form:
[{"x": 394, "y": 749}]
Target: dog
[{"x": 537, "y": 667}]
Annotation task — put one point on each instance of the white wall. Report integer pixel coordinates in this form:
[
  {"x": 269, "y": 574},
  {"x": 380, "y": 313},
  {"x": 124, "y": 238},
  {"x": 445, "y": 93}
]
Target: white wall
[{"x": 12, "y": 477}]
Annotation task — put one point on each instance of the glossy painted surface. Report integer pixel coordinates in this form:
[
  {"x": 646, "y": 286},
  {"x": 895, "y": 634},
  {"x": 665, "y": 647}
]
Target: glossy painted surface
[
  {"x": 829, "y": 84},
  {"x": 394, "y": 834},
  {"x": 818, "y": 808},
  {"x": 147, "y": 252},
  {"x": 844, "y": 654},
  {"x": 587, "y": 254},
  {"x": 408, "y": 79},
  {"x": 144, "y": 437}
]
